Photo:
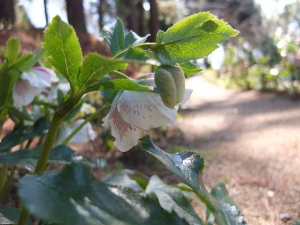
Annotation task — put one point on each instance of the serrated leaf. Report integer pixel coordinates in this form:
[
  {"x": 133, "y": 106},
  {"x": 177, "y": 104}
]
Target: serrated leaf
[
  {"x": 189, "y": 68},
  {"x": 121, "y": 178},
  {"x": 28, "y": 158},
  {"x": 12, "y": 47},
  {"x": 114, "y": 37},
  {"x": 9, "y": 215},
  {"x": 132, "y": 39},
  {"x": 138, "y": 55},
  {"x": 187, "y": 166},
  {"x": 81, "y": 199},
  {"x": 95, "y": 67},
  {"x": 64, "y": 49},
  {"x": 231, "y": 209},
  {"x": 192, "y": 38},
  {"x": 118, "y": 84},
  {"x": 173, "y": 199},
  {"x": 16, "y": 137}
]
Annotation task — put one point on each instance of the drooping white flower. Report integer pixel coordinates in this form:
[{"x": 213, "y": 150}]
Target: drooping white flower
[
  {"x": 85, "y": 134},
  {"x": 133, "y": 114},
  {"x": 31, "y": 84}
]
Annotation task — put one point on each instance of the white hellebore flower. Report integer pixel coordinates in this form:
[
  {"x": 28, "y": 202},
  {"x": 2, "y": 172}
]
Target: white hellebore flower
[
  {"x": 85, "y": 134},
  {"x": 133, "y": 114},
  {"x": 32, "y": 84}
]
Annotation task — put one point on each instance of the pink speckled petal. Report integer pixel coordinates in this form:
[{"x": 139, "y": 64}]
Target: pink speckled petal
[
  {"x": 144, "y": 110},
  {"x": 125, "y": 134}
]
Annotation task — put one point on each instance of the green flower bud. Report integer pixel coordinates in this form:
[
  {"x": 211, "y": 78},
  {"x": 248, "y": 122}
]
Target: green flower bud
[{"x": 170, "y": 81}]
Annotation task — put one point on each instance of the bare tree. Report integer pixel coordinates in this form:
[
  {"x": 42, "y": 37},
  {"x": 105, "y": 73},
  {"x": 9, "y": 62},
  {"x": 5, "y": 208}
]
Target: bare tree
[
  {"x": 154, "y": 22},
  {"x": 76, "y": 15},
  {"x": 46, "y": 12},
  {"x": 7, "y": 13}
]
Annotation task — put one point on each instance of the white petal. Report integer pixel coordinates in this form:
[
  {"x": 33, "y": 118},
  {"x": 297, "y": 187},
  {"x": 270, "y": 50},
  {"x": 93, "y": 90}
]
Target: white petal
[
  {"x": 48, "y": 71},
  {"x": 51, "y": 94},
  {"x": 125, "y": 134},
  {"x": 186, "y": 97},
  {"x": 112, "y": 109},
  {"x": 24, "y": 93},
  {"x": 86, "y": 134},
  {"x": 64, "y": 87},
  {"x": 37, "y": 78},
  {"x": 144, "y": 110}
]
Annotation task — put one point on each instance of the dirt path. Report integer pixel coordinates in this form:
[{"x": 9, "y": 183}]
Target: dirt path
[{"x": 252, "y": 142}]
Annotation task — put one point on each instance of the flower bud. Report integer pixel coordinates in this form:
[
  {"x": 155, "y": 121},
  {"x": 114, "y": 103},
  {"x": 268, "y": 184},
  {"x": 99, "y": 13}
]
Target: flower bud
[{"x": 170, "y": 81}]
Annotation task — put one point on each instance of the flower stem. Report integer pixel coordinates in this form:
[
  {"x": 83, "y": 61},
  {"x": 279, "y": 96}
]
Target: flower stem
[
  {"x": 3, "y": 177},
  {"x": 50, "y": 138},
  {"x": 91, "y": 117}
]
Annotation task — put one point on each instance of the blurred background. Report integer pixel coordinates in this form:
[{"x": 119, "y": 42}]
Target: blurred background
[
  {"x": 268, "y": 40},
  {"x": 244, "y": 114}
]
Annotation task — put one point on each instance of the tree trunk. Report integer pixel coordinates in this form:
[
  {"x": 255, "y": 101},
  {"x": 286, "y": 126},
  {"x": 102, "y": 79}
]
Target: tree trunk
[
  {"x": 131, "y": 15},
  {"x": 76, "y": 15},
  {"x": 7, "y": 13},
  {"x": 141, "y": 18},
  {"x": 101, "y": 4},
  {"x": 46, "y": 12},
  {"x": 154, "y": 22}
]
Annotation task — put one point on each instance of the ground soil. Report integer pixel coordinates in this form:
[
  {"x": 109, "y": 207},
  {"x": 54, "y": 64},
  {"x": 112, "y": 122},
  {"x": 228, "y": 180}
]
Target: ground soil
[{"x": 251, "y": 141}]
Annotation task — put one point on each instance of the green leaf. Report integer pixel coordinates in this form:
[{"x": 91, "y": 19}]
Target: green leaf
[
  {"x": 28, "y": 158},
  {"x": 173, "y": 199},
  {"x": 118, "y": 84},
  {"x": 189, "y": 68},
  {"x": 19, "y": 114},
  {"x": 231, "y": 209},
  {"x": 74, "y": 111},
  {"x": 187, "y": 166},
  {"x": 9, "y": 215},
  {"x": 74, "y": 196},
  {"x": 138, "y": 55},
  {"x": 192, "y": 38},
  {"x": 132, "y": 39},
  {"x": 114, "y": 37},
  {"x": 296, "y": 222},
  {"x": 121, "y": 178},
  {"x": 95, "y": 67},
  {"x": 7, "y": 83},
  {"x": 64, "y": 49},
  {"x": 12, "y": 47},
  {"x": 16, "y": 137}
]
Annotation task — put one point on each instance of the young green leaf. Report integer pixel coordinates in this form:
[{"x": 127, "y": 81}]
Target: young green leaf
[
  {"x": 189, "y": 68},
  {"x": 114, "y": 37},
  {"x": 95, "y": 67},
  {"x": 138, "y": 55},
  {"x": 192, "y": 38},
  {"x": 81, "y": 199},
  {"x": 12, "y": 47},
  {"x": 118, "y": 84},
  {"x": 64, "y": 50},
  {"x": 132, "y": 39}
]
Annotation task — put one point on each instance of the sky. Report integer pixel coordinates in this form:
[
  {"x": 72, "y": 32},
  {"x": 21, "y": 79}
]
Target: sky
[{"x": 35, "y": 9}]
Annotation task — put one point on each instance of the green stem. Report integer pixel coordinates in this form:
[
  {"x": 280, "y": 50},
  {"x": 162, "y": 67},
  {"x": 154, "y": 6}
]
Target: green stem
[
  {"x": 3, "y": 177},
  {"x": 143, "y": 45},
  {"x": 119, "y": 74},
  {"x": 90, "y": 118},
  {"x": 49, "y": 141},
  {"x": 7, "y": 184}
]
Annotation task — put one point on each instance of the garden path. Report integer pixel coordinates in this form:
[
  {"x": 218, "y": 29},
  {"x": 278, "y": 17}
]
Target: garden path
[{"x": 251, "y": 141}]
